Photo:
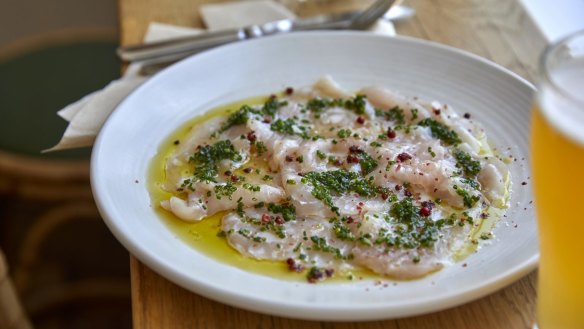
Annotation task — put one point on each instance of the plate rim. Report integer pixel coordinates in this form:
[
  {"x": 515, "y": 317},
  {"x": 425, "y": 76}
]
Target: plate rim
[{"x": 300, "y": 311}]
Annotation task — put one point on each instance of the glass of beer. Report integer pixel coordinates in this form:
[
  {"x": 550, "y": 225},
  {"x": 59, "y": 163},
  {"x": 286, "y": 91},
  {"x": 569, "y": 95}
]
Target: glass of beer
[{"x": 557, "y": 149}]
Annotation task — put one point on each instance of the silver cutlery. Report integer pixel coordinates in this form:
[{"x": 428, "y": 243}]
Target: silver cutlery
[{"x": 174, "y": 49}]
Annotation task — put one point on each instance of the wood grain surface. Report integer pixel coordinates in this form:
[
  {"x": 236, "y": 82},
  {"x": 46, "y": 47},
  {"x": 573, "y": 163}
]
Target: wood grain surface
[{"x": 499, "y": 30}]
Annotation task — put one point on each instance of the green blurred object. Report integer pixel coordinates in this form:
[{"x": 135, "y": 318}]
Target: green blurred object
[{"x": 35, "y": 85}]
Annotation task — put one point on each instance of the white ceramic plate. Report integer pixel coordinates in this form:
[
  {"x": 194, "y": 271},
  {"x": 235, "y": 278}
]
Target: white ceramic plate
[{"x": 130, "y": 138}]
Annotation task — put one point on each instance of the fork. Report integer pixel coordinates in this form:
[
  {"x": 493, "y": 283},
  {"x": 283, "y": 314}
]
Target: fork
[{"x": 175, "y": 49}]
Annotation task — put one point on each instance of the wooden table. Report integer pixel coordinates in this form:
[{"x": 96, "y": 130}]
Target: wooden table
[{"x": 499, "y": 30}]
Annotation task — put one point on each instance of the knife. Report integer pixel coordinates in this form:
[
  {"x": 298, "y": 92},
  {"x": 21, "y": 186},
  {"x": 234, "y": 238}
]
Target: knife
[
  {"x": 174, "y": 49},
  {"x": 193, "y": 44}
]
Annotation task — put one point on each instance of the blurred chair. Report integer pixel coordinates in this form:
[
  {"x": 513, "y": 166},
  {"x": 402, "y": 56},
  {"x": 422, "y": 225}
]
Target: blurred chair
[
  {"x": 58, "y": 188},
  {"x": 12, "y": 315},
  {"x": 66, "y": 267}
]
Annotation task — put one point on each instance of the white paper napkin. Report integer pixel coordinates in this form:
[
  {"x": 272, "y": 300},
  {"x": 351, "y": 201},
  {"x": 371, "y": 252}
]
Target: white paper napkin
[
  {"x": 243, "y": 13},
  {"x": 87, "y": 115}
]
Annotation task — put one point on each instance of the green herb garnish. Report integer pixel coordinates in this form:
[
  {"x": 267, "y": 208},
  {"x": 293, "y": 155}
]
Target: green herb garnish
[
  {"x": 411, "y": 230},
  {"x": 441, "y": 131},
  {"x": 272, "y": 105},
  {"x": 356, "y": 104},
  {"x": 344, "y": 133},
  {"x": 261, "y": 148},
  {"x": 224, "y": 190},
  {"x": 367, "y": 163},
  {"x": 239, "y": 117},
  {"x": 395, "y": 114},
  {"x": 468, "y": 199},
  {"x": 289, "y": 127},
  {"x": 464, "y": 161},
  {"x": 327, "y": 184},
  {"x": 342, "y": 232},
  {"x": 208, "y": 157},
  {"x": 288, "y": 211},
  {"x": 320, "y": 244}
]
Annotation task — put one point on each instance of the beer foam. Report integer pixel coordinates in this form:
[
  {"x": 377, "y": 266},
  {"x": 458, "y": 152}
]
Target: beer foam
[{"x": 561, "y": 101}]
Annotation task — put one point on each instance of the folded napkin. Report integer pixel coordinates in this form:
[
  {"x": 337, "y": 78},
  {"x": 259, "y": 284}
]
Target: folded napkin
[{"x": 87, "y": 115}]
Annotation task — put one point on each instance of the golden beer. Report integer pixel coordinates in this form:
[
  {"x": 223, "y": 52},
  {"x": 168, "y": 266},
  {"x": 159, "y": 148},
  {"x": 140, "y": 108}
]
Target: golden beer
[
  {"x": 557, "y": 149},
  {"x": 559, "y": 196}
]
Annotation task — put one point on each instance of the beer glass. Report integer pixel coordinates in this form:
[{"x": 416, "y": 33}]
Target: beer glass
[{"x": 557, "y": 148}]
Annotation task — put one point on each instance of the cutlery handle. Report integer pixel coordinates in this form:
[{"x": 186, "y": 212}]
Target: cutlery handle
[
  {"x": 194, "y": 44},
  {"x": 185, "y": 45},
  {"x": 175, "y": 49}
]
